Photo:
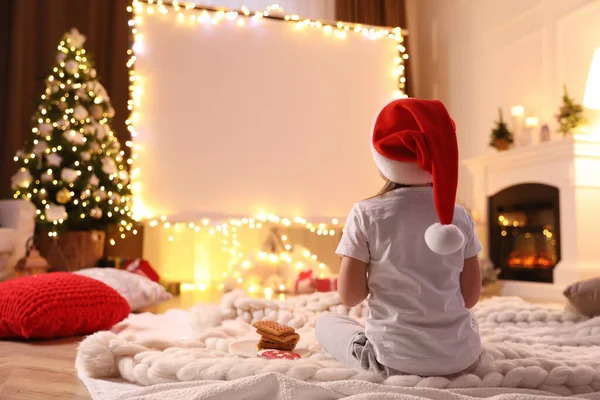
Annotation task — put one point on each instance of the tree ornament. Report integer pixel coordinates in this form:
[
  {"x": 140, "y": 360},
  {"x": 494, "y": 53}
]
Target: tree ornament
[
  {"x": 116, "y": 197},
  {"x": 107, "y": 130},
  {"x": 96, "y": 111},
  {"x": 63, "y": 123},
  {"x": 501, "y": 138},
  {"x": 82, "y": 94},
  {"x": 45, "y": 129},
  {"x": 74, "y": 137},
  {"x": 75, "y": 38},
  {"x": 54, "y": 159},
  {"x": 109, "y": 166},
  {"x": 88, "y": 129},
  {"x": 60, "y": 57},
  {"x": 53, "y": 87},
  {"x": 46, "y": 177},
  {"x": 92, "y": 73},
  {"x": 124, "y": 176},
  {"x": 39, "y": 147},
  {"x": 42, "y": 194},
  {"x": 21, "y": 179},
  {"x": 63, "y": 196},
  {"x": 111, "y": 112},
  {"x": 100, "y": 194},
  {"x": 62, "y": 106},
  {"x": 56, "y": 213},
  {"x": 86, "y": 156},
  {"x": 68, "y": 175},
  {"x": 96, "y": 212},
  {"x": 94, "y": 181},
  {"x": 71, "y": 67},
  {"x": 80, "y": 112}
]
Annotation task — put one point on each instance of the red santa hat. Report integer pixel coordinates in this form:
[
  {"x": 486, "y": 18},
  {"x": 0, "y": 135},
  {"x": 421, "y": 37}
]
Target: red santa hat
[{"x": 414, "y": 142}]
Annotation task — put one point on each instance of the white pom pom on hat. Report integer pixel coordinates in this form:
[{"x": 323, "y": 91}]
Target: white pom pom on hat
[
  {"x": 414, "y": 142},
  {"x": 444, "y": 239}
]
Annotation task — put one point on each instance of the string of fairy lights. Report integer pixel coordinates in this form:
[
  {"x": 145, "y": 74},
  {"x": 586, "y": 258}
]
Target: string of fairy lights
[
  {"x": 64, "y": 127},
  {"x": 187, "y": 11},
  {"x": 195, "y": 15}
]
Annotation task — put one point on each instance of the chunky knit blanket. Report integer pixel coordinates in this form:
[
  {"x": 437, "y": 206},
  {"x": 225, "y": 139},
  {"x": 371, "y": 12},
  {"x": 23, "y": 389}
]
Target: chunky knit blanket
[{"x": 527, "y": 346}]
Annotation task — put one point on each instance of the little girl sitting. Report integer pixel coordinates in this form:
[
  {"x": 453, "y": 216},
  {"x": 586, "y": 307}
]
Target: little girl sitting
[{"x": 421, "y": 276}]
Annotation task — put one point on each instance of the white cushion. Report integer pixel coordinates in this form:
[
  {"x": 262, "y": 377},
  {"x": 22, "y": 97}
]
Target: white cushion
[
  {"x": 7, "y": 240},
  {"x": 138, "y": 290},
  {"x": 20, "y": 216}
]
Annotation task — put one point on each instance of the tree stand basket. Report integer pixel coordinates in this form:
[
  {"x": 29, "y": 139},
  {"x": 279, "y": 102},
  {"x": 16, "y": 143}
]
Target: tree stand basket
[{"x": 73, "y": 250}]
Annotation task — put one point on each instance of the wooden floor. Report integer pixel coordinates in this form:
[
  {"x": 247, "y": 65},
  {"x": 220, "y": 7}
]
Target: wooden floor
[{"x": 41, "y": 370}]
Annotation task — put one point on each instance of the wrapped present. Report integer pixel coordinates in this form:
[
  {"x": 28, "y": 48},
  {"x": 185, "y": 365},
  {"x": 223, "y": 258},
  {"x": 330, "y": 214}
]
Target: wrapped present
[
  {"x": 141, "y": 267},
  {"x": 325, "y": 284},
  {"x": 305, "y": 282}
]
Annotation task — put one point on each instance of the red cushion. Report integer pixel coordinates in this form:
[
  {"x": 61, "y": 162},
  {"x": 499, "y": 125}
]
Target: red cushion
[{"x": 58, "y": 304}]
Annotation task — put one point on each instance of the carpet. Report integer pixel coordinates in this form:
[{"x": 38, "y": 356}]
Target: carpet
[{"x": 530, "y": 350}]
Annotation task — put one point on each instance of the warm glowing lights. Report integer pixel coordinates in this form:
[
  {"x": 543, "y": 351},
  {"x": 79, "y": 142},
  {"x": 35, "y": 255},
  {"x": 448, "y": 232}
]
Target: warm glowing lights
[
  {"x": 591, "y": 97},
  {"x": 268, "y": 292},
  {"x": 532, "y": 122},
  {"x": 186, "y": 15},
  {"x": 517, "y": 111}
]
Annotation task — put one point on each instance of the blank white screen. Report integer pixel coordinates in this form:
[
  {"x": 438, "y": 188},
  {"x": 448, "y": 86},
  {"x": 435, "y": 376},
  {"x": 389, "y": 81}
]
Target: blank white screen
[{"x": 234, "y": 119}]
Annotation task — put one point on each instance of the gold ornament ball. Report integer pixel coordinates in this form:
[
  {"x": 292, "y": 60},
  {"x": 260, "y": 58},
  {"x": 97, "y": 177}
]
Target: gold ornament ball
[
  {"x": 63, "y": 196},
  {"x": 110, "y": 113},
  {"x": 96, "y": 212},
  {"x": 96, "y": 111}
]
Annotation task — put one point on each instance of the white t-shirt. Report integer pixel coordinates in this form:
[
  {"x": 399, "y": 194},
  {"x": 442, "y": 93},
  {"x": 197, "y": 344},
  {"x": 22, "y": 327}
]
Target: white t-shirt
[{"x": 417, "y": 322}]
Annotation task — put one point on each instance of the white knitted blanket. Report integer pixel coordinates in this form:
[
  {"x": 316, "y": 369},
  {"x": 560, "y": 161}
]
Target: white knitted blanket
[{"x": 527, "y": 346}]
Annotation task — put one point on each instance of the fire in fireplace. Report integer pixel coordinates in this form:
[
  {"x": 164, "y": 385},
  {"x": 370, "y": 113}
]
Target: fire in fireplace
[{"x": 524, "y": 228}]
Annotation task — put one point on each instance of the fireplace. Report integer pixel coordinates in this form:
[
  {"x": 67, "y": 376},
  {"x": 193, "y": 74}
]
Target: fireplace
[
  {"x": 524, "y": 232},
  {"x": 546, "y": 195}
]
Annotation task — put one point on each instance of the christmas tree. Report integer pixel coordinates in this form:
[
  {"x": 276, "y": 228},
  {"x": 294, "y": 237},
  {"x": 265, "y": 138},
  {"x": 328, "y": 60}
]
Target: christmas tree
[
  {"x": 501, "y": 136},
  {"x": 570, "y": 116},
  {"x": 72, "y": 167}
]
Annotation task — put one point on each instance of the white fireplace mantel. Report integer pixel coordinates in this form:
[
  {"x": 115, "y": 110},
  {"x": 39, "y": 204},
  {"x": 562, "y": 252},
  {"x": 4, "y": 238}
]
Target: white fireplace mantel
[{"x": 573, "y": 166}]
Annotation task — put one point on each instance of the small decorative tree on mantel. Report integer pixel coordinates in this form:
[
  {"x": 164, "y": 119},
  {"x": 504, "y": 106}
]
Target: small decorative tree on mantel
[
  {"x": 72, "y": 168},
  {"x": 570, "y": 116},
  {"x": 501, "y": 137}
]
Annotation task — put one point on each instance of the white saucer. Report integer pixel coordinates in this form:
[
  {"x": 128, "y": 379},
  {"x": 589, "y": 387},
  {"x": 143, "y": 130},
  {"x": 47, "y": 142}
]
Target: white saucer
[{"x": 247, "y": 348}]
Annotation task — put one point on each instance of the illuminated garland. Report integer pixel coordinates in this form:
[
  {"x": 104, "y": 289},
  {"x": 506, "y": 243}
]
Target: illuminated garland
[
  {"x": 186, "y": 11},
  {"x": 189, "y": 12}
]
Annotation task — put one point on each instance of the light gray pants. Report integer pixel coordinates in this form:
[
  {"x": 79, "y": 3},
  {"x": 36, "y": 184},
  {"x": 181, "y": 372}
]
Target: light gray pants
[{"x": 344, "y": 338}]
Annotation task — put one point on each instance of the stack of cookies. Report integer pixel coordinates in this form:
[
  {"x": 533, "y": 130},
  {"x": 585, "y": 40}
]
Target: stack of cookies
[{"x": 276, "y": 336}]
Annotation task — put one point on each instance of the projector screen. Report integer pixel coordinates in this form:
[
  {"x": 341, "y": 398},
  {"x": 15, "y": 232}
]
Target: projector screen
[{"x": 263, "y": 115}]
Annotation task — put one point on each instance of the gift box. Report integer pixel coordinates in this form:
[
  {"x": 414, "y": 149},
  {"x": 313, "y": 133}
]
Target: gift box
[
  {"x": 136, "y": 266},
  {"x": 325, "y": 284},
  {"x": 304, "y": 283},
  {"x": 141, "y": 267}
]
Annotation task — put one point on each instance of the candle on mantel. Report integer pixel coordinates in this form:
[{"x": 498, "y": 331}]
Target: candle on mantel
[
  {"x": 517, "y": 112},
  {"x": 531, "y": 123}
]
